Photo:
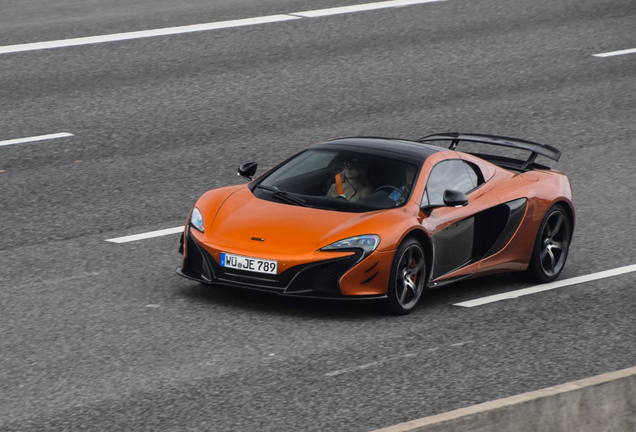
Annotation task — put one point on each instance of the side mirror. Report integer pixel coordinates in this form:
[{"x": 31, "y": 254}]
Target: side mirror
[
  {"x": 247, "y": 170},
  {"x": 454, "y": 198}
]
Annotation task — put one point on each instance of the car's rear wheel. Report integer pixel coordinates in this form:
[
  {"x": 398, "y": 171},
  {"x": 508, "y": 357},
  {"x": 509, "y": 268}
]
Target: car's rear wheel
[
  {"x": 408, "y": 275},
  {"x": 551, "y": 246}
]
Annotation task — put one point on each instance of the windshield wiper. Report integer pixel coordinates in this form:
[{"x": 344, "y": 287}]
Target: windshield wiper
[{"x": 284, "y": 196}]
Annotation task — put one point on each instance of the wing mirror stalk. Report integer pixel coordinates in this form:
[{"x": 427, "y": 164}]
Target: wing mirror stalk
[{"x": 247, "y": 170}]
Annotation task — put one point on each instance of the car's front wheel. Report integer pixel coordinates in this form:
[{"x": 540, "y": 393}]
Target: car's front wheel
[{"x": 408, "y": 275}]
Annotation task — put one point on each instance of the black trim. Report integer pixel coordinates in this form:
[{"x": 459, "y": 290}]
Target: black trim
[
  {"x": 407, "y": 151},
  {"x": 535, "y": 148},
  {"x": 509, "y": 163},
  {"x": 448, "y": 281},
  {"x": 372, "y": 267},
  {"x": 371, "y": 278},
  {"x": 516, "y": 211},
  {"x": 181, "y": 272},
  {"x": 317, "y": 280},
  {"x": 492, "y": 230}
]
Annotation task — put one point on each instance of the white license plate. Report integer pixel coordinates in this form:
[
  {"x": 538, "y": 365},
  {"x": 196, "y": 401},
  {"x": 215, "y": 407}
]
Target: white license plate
[{"x": 248, "y": 264}]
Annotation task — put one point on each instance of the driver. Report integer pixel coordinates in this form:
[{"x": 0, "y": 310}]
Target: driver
[
  {"x": 352, "y": 183},
  {"x": 409, "y": 176}
]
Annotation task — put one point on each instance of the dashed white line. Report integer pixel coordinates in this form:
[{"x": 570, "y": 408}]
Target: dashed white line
[
  {"x": 367, "y": 365},
  {"x": 147, "y": 235},
  {"x": 208, "y": 26},
  {"x": 35, "y": 138},
  {"x": 616, "y": 53},
  {"x": 548, "y": 286},
  {"x": 359, "y": 8},
  {"x": 458, "y": 344}
]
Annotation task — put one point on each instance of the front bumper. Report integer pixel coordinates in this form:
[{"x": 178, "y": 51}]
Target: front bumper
[{"x": 315, "y": 280}]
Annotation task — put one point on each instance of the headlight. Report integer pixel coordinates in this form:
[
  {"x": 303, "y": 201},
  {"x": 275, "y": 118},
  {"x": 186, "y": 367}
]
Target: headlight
[
  {"x": 196, "y": 219},
  {"x": 368, "y": 243}
]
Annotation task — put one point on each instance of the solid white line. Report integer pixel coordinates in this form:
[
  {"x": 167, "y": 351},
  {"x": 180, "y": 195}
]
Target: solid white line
[
  {"x": 144, "y": 34},
  {"x": 35, "y": 138},
  {"x": 616, "y": 53},
  {"x": 147, "y": 235},
  {"x": 360, "y": 8},
  {"x": 205, "y": 27},
  {"x": 548, "y": 286}
]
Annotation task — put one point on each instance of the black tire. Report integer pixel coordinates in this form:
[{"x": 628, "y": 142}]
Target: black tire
[
  {"x": 551, "y": 247},
  {"x": 408, "y": 277}
]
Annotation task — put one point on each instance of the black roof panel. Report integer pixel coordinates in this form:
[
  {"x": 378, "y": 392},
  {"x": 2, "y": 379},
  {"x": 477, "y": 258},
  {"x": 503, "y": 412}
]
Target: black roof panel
[{"x": 387, "y": 146}]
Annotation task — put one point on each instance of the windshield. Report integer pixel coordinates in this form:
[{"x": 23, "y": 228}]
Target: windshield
[{"x": 340, "y": 180}]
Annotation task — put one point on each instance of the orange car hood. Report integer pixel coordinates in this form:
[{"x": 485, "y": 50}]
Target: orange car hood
[{"x": 284, "y": 228}]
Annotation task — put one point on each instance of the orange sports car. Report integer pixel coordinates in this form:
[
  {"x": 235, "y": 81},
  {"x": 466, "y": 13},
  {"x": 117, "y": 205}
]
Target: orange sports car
[{"x": 369, "y": 218}]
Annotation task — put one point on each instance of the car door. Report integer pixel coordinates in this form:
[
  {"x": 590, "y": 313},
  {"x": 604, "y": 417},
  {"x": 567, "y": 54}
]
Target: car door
[{"x": 452, "y": 228}]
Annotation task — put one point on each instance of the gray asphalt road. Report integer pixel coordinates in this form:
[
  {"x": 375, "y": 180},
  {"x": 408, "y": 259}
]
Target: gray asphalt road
[{"x": 98, "y": 336}]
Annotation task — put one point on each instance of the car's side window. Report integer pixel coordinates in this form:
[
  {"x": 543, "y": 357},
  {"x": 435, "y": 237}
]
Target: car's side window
[
  {"x": 449, "y": 174},
  {"x": 475, "y": 174},
  {"x": 425, "y": 200}
]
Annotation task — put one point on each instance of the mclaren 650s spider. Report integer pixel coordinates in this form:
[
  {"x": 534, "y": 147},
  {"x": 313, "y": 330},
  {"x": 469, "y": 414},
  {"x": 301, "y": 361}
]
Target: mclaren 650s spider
[{"x": 378, "y": 218}]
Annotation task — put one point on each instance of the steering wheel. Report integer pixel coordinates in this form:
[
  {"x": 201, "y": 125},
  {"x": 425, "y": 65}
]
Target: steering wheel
[{"x": 391, "y": 189}]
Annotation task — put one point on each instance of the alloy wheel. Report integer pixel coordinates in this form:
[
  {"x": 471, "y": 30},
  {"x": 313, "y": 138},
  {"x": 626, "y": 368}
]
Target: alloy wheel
[
  {"x": 555, "y": 241},
  {"x": 410, "y": 275}
]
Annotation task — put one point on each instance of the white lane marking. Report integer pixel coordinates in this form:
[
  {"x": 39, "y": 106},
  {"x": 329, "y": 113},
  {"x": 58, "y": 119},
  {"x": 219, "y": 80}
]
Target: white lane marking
[
  {"x": 147, "y": 235},
  {"x": 205, "y": 27},
  {"x": 548, "y": 286},
  {"x": 368, "y": 365},
  {"x": 359, "y": 8},
  {"x": 616, "y": 53},
  {"x": 143, "y": 34},
  {"x": 458, "y": 344},
  {"x": 35, "y": 138}
]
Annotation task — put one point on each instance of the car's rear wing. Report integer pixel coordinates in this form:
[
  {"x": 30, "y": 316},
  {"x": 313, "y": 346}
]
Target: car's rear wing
[{"x": 536, "y": 149}]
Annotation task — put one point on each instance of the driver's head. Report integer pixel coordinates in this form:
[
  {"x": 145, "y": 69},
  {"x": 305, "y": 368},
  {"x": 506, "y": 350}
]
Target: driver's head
[{"x": 354, "y": 168}]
